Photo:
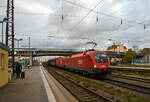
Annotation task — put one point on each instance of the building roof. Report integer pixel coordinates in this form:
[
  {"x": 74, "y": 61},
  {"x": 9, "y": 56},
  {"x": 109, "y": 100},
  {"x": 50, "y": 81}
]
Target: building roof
[
  {"x": 146, "y": 49},
  {"x": 112, "y": 47},
  {"x": 3, "y": 46},
  {"x": 115, "y": 47}
]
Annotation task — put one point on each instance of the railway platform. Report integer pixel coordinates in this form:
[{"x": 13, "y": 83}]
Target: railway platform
[{"x": 38, "y": 86}]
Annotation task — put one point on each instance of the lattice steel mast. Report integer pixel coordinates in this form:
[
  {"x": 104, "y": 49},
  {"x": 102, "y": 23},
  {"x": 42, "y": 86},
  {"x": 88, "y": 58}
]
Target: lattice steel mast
[{"x": 10, "y": 28}]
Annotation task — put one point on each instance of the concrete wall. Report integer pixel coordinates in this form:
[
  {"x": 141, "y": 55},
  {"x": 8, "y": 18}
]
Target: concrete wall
[{"x": 4, "y": 71}]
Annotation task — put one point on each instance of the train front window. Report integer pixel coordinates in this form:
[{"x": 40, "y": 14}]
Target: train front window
[
  {"x": 89, "y": 58},
  {"x": 100, "y": 58}
]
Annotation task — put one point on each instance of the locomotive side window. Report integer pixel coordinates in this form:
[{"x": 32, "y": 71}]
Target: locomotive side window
[
  {"x": 89, "y": 58},
  {"x": 100, "y": 58}
]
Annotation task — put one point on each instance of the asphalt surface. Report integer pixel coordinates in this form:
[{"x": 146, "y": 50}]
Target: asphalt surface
[
  {"x": 24, "y": 90},
  {"x": 34, "y": 88}
]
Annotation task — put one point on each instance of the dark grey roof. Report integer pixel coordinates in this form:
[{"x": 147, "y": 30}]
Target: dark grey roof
[{"x": 3, "y": 46}]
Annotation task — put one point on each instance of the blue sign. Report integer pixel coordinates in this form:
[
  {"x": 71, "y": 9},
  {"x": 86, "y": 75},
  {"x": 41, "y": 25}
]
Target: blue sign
[{"x": 33, "y": 53}]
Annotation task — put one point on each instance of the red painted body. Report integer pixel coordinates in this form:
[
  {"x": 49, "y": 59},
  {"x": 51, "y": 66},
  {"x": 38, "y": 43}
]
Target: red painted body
[
  {"x": 95, "y": 60},
  {"x": 82, "y": 61},
  {"x": 60, "y": 62}
]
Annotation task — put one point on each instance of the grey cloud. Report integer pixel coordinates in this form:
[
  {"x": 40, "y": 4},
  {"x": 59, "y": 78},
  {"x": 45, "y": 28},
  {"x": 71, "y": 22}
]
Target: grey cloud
[{"x": 40, "y": 26}]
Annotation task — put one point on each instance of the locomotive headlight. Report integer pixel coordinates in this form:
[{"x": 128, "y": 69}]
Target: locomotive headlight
[{"x": 95, "y": 65}]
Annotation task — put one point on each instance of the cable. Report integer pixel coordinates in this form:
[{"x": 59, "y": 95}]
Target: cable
[
  {"x": 128, "y": 28},
  {"x": 85, "y": 15},
  {"x": 92, "y": 10},
  {"x": 28, "y": 13},
  {"x": 122, "y": 7}
]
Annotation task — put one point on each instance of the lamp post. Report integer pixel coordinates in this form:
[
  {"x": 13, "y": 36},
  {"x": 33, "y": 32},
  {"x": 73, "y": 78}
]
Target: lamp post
[
  {"x": 26, "y": 51},
  {"x": 4, "y": 20},
  {"x": 18, "y": 41},
  {"x": 29, "y": 44},
  {"x": 119, "y": 45},
  {"x": 2, "y": 29},
  {"x": 113, "y": 45},
  {"x": 18, "y": 44},
  {"x": 50, "y": 36}
]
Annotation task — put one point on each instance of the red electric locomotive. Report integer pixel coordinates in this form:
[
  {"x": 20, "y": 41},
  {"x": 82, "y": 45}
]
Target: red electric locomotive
[
  {"x": 94, "y": 62},
  {"x": 60, "y": 62}
]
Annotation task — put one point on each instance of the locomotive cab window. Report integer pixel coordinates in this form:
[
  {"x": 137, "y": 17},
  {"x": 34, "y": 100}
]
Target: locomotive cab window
[
  {"x": 89, "y": 58},
  {"x": 100, "y": 58}
]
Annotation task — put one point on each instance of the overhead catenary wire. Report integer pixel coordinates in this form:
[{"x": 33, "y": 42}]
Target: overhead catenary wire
[
  {"x": 75, "y": 16},
  {"x": 129, "y": 2},
  {"x": 85, "y": 15},
  {"x": 25, "y": 13},
  {"x": 54, "y": 15},
  {"x": 57, "y": 15},
  {"x": 68, "y": 15},
  {"x": 92, "y": 10},
  {"x": 126, "y": 29},
  {"x": 81, "y": 6}
]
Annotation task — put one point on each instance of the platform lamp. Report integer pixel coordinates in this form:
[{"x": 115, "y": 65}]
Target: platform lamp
[
  {"x": 18, "y": 43},
  {"x": 113, "y": 45},
  {"x": 6, "y": 21}
]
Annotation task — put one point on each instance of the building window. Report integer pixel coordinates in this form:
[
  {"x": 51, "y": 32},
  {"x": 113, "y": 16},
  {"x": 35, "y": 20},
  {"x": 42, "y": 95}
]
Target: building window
[{"x": 1, "y": 61}]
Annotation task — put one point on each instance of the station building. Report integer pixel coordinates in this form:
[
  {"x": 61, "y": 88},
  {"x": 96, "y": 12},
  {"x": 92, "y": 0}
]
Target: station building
[
  {"x": 117, "y": 49},
  {"x": 3, "y": 64}
]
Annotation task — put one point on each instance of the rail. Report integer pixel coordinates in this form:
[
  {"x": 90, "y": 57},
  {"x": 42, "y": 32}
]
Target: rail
[
  {"x": 135, "y": 69},
  {"x": 82, "y": 93}
]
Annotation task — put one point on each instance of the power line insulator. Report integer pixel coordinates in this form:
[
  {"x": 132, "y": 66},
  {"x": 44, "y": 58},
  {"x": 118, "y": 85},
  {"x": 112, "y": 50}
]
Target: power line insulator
[
  {"x": 62, "y": 17},
  {"x": 97, "y": 16},
  {"x": 121, "y": 21},
  {"x": 144, "y": 26},
  {"x": 97, "y": 19}
]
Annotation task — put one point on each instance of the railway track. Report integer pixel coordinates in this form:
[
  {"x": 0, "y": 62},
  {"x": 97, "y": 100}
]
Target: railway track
[
  {"x": 134, "y": 69},
  {"x": 79, "y": 91},
  {"x": 125, "y": 83},
  {"x": 139, "y": 79}
]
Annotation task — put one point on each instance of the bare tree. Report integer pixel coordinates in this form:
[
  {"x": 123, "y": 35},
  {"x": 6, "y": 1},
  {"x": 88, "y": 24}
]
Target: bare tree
[{"x": 135, "y": 48}]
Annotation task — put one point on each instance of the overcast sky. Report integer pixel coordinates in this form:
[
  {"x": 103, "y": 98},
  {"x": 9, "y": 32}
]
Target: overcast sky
[{"x": 42, "y": 18}]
